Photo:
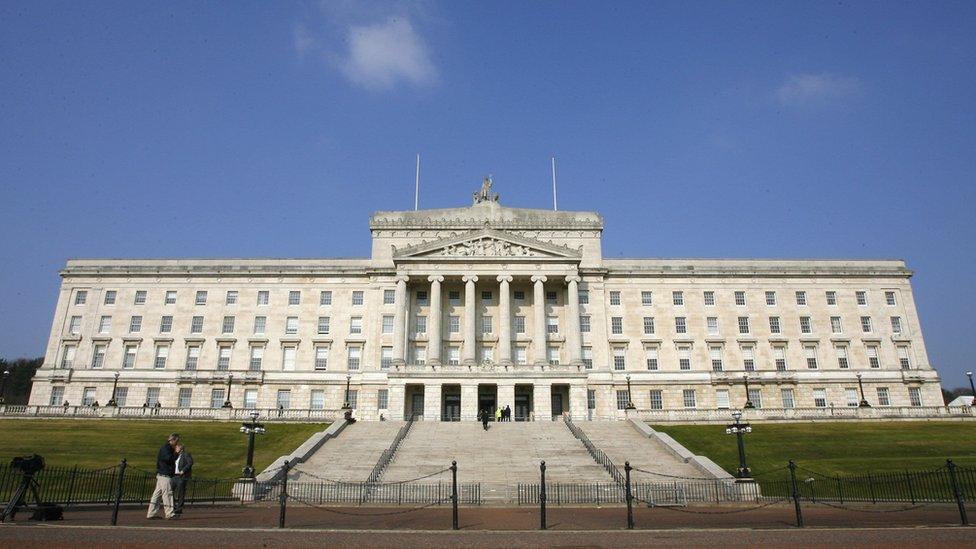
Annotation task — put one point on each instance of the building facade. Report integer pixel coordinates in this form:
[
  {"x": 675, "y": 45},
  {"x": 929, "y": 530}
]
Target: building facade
[{"x": 461, "y": 309}]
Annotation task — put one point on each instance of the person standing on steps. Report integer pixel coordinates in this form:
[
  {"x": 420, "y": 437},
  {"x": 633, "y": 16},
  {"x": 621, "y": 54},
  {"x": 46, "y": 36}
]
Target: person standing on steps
[
  {"x": 498, "y": 414},
  {"x": 485, "y": 415}
]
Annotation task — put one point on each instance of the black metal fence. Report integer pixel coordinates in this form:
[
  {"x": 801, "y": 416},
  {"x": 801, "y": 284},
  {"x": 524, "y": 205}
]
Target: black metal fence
[
  {"x": 935, "y": 486},
  {"x": 653, "y": 493},
  {"x": 359, "y": 493},
  {"x": 598, "y": 455},
  {"x": 387, "y": 456}
]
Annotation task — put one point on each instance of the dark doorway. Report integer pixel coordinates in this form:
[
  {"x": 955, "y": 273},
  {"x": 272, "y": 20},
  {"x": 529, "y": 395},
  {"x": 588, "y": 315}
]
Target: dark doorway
[
  {"x": 488, "y": 399},
  {"x": 523, "y": 403},
  {"x": 451, "y": 403}
]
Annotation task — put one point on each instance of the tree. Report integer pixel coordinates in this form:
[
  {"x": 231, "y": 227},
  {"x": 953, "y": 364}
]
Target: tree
[{"x": 18, "y": 386}]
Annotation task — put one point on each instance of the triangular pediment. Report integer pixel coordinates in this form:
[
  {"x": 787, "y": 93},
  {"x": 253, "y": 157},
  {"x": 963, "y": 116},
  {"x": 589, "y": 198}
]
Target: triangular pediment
[{"x": 487, "y": 244}]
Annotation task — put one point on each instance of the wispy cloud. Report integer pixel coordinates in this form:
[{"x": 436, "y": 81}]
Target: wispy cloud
[{"x": 810, "y": 88}]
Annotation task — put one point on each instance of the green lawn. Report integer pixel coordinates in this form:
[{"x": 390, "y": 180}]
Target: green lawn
[
  {"x": 836, "y": 448},
  {"x": 218, "y": 448}
]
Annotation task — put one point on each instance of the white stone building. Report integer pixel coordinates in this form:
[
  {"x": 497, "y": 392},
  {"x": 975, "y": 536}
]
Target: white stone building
[{"x": 486, "y": 305}]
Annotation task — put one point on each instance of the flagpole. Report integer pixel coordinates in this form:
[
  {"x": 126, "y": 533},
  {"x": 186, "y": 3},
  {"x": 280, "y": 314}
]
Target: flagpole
[
  {"x": 416, "y": 190},
  {"x": 554, "y": 206}
]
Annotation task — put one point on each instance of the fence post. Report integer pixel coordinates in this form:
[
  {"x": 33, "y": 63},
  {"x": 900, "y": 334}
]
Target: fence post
[
  {"x": 630, "y": 499},
  {"x": 283, "y": 497},
  {"x": 871, "y": 486},
  {"x": 911, "y": 489},
  {"x": 796, "y": 495},
  {"x": 71, "y": 485},
  {"x": 542, "y": 495},
  {"x": 118, "y": 492},
  {"x": 957, "y": 492},
  {"x": 454, "y": 495}
]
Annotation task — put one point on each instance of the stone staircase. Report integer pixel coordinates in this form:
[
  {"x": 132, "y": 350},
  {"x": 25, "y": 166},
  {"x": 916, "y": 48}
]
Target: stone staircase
[
  {"x": 622, "y": 442},
  {"x": 350, "y": 456}
]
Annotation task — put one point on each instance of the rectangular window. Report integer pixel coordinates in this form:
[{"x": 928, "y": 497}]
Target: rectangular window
[
  {"x": 216, "y": 398},
  {"x": 680, "y": 325},
  {"x": 250, "y": 399},
  {"x": 201, "y": 298},
  {"x": 647, "y": 299},
  {"x": 185, "y": 397},
  {"x": 288, "y": 355},
  {"x": 421, "y": 323},
  {"x": 386, "y": 358},
  {"x": 88, "y": 396},
  {"x": 805, "y": 327},
  {"x": 486, "y": 327},
  {"x": 904, "y": 359},
  {"x": 711, "y": 324},
  {"x": 162, "y": 353},
  {"x": 317, "y": 400},
  {"x": 325, "y": 297},
  {"x": 874, "y": 359},
  {"x": 614, "y": 297},
  {"x": 357, "y": 297},
  {"x": 584, "y": 324},
  {"x": 678, "y": 298},
  {"x": 648, "y": 325},
  {"x": 263, "y": 297},
  {"x": 820, "y": 398},
  {"x": 227, "y": 326},
  {"x": 520, "y": 355},
  {"x": 353, "y": 399},
  {"x": 787, "y": 397},
  {"x": 779, "y": 358},
  {"x": 166, "y": 324},
  {"x": 890, "y": 298},
  {"x": 98, "y": 357},
  {"x": 770, "y": 298},
  {"x": 519, "y": 295},
  {"x": 866, "y": 324},
  {"x": 617, "y": 325},
  {"x": 140, "y": 298},
  {"x": 749, "y": 359},
  {"x": 722, "y": 399},
  {"x": 743, "y": 325},
  {"x": 650, "y": 358},
  {"x": 283, "y": 399},
  {"x": 231, "y": 297},
  {"x": 152, "y": 396},
  {"x": 584, "y": 297},
  {"x": 884, "y": 398},
  {"x": 322, "y": 357},
  {"x": 382, "y": 399},
  {"x": 192, "y": 357},
  {"x": 552, "y": 354},
  {"x": 196, "y": 325},
  {"x": 552, "y": 324},
  {"x": 715, "y": 355},
  {"x": 755, "y": 396},
  {"x": 135, "y": 324},
  {"x": 422, "y": 298},
  {"x": 57, "y": 396},
  {"x": 81, "y": 297},
  {"x": 454, "y": 298},
  {"x": 223, "y": 358},
  {"x": 688, "y": 398},
  {"x": 842, "y": 357},
  {"x": 170, "y": 298},
  {"x": 387, "y": 324},
  {"x": 896, "y": 324},
  {"x": 740, "y": 298},
  {"x": 356, "y": 325},
  {"x": 684, "y": 358},
  {"x": 914, "y": 396},
  {"x": 110, "y": 296},
  {"x": 520, "y": 324},
  {"x": 850, "y": 397},
  {"x": 353, "y": 357},
  {"x": 257, "y": 357},
  {"x": 104, "y": 324},
  {"x": 588, "y": 358},
  {"x": 709, "y": 298},
  {"x": 552, "y": 298},
  {"x": 591, "y": 399},
  {"x": 453, "y": 355},
  {"x": 774, "y": 327},
  {"x": 323, "y": 325},
  {"x": 453, "y": 324},
  {"x": 831, "y": 297},
  {"x": 862, "y": 297},
  {"x": 623, "y": 399},
  {"x": 74, "y": 325},
  {"x": 129, "y": 357},
  {"x": 294, "y": 297},
  {"x": 657, "y": 399},
  {"x": 389, "y": 297},
  {"x": 486, "y": 298},
  {"x": 810, "y": 352},
  {"x": 835, "y": 325},
  {"x": 801, "y": 298},
  {"x": 619, "y": 359}
]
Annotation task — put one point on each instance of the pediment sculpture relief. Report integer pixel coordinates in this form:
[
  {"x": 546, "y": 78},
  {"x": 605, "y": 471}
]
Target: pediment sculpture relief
[{"x": 486, "y": 247}]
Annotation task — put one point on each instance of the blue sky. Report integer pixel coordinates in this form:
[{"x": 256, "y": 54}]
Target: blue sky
[{"x": 272, "y": 129}]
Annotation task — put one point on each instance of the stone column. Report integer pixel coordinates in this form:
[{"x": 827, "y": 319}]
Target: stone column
[
  {"x": 505, "y": 322},
  {"x": 539, "y": 320},
  {"x": 577, "y": 401},
  {"x": 470, "y": 320},
  {"x": 573, "y": 337},
  {"x": 432, "y": 401},
  {"x": 469, "y": 402},
  {"x": 542, "y": 402},
  {"x": 434, "y": 340},
  {"x": 396, "y": 407},
  {"x": 400, "y": 320}
]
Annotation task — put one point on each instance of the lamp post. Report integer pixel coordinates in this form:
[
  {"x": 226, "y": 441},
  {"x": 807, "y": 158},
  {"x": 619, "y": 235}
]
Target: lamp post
[
  {"x": 864, "y": 402},
  {"x": 6, "y": 374},
  {"x": 251, "y": 428},
  {"x": 227, "y": 404},
  {"x": 968, "y": 374},
  {"x": 115, "y": 384},
  {"x": 345, "y": 403},
  {"x": 630, "y": 398},
  {"x": 739, "y": 429},
  {"x": 748, "y": 404}
]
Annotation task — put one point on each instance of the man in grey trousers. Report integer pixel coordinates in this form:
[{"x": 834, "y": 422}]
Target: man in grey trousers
[{"x": 165, "y": 470}]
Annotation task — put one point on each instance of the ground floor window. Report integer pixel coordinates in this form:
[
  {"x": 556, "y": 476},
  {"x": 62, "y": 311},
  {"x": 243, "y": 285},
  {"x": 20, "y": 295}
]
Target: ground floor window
[
  {"x": 382, "y": 399},
  {"x": 152, "y": 397},
  {"x": 657, "y": 399},
  {"x": 283, "y": 400},
  {"x": 820, "y": 398},
  {"x": 317, "y": 401},
  {"x": 787, "y": 396},
  {"x": 216, "y": 398},
  {"x": 722, "y": 399},
  {"x": 185, "y": 397},
  {"x": 250, "y": 398},
  {"x": 121, "y": 394},
  {"x": 915, "y": 396},
  {"x": 851, "y": 394},
  {"x": 591, "y": 399},
  {"x": 755, "y": 396},
  {"x": 88, "y": 396},
  {"x": 884, "y": 399},
  {"x": 623, "y": 397},
  {"x": 353, "y": 398},
  {"x": 57, "y": 396},
  {"x": 688, "y": 398}
]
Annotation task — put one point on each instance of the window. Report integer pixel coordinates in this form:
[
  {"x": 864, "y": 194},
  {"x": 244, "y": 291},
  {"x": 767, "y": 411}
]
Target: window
[
  {"x": 185, "y": 397},
  {"x": 657, "y": 400},
  {"x": 779, "y": 358},
  {"x": 889, "y": 298},
  {"x": 152, "y": 396},
  {"x": 520, "y": 355},
  {"x": 98, "y": 357},
  {"x": 323, "y": 325},
  {"x": 294, "y": 297},
  {"x": 831, "y": 297},
  {"x": 711, "y": 324},
  {"x": 650, "y": 358},
  {"x": 709, "y": 298},
  {"x": 810, "y": 352},
  {"x": 386, "y": 358},
  {"x": 382, "y": 399},
  {"x": 866, "y": 324},
  {"x": 520, "y": 295},
  {"x": 288, "y": 358},
  {"x": 862, "y": 297},
  {"x": 801, "y": 298},
  {"x": 387, "y": 324},
  {"x": 162, "y": 353},
  {"x": 680, "y": 325},
  {"x": 353, "y": 356},
  {"x": 678, "y": 298},
  {"x": 743, "y": 325},
  {"x": 201, "y": 298},
  {"x": 196, "y": 325},
  {"x": 805, "y": 327},
  {"x": 896, "y": 324},
  {"x": 192, "y": 357},
  {"x": 454, "y": 297},
  {"x": 749, "y": 359},
  {"x": 389, "y": 297},
  {"x": 57, "y": 396},
  {"x": 774, "y": 327},
  {"x": 551, "y": 298},
  {"x": 223, "y": 358},
  {"x": 166, "y": 324},
  {"x": 250, "y": 399},
  {"x": 648, "y": 325},
  {"x": 591, "y": 399},
  {"x": 486, "y": 327},
  {"x": 684, "y": 358},
  {"x": 583, "y": 296},
  {"x": 487, "y": 354},
  {"x": 322, "y": 357},
  {"x": 715, "y": 354},
  {"x": 68, "y": 358},
  {"x": 325, "y": 297},
  {"x": 770, "y": 298},
  {"x": 227, "y": 326},
  {"x": 129, "y": 357},
  {"x": 623, "y": 399},
  {"x": 356, "y": 325},
  {"x": 257, "y": 357},
  {"x": 552, "y": 325},
  {"x": 140, "y": 298},
  {"x": 170, "y": 298},
  {"x": 820, "y": 398},
  {"x": 755, "y": 397},
  {"x": 884, "y": 398},
  {"x": 317, "y": 400},
  {"x": 903, "y": 358},
  {"x": 552, "y": 354},
  {"x": 740, "y": 298},
  {"x": 520, "y": 324},
  {"x": 619, "y": 359},
  {"x": 842, "y": 357},
  {"x": 357, "y": 297},
  {"x": 835, "y": 325},
  {"x": 584, "y": 324},
  {"x": 454, "y": 355},
  {"x": 104, "y": 324},
  {"x": 81, "y": 297},
  {"x": 216, "y": 398},
  {"x": 688, "y": 398},
  {"x": 260, "y": 325},
  {"x": 283, "y": 400},
  {"x": 850, "y": 397},
  {"x": 88, "y": 396},
  {"x": 231, "y": 297},
  {"x": 615, "y": 297},
  {"x": 453, "y": 324},
  {"x": 617, "y": 325},
  {"x": 874, "y": 359},
  {"x": 110, "y": 296},
  {"x": 588, "y": 358},
  {"x": 74, "y": 325},
  {"x": 263, "y": 297},
  {"x": 786, "y": 395},
  {"x": 486, "y": 298},
  {"x": 722, "y": 399},
  {"x": 421, "y": 323},
  {"x": 647, "y": 299}
]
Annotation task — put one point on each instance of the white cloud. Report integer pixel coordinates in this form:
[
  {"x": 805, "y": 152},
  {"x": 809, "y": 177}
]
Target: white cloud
[
  {"x": 382, "y": 54},
  {"x": 805, "y": 89}
]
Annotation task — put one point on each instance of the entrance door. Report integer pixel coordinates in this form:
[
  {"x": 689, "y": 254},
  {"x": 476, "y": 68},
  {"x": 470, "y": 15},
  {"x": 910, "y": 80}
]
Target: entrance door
[
  {"x": 452, "y": 408},
  {"x": 557, "y": 404},
  {"x": 487, "y": 399},
  {"x": 417, "y": 405},
  {"x": 522, "y": 407}
]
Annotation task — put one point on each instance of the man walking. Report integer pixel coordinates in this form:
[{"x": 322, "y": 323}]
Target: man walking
[
  {"x": 183, "y": 472},
  {"x": 485, "y": 415},
  {"x": 165, "y": 469}
]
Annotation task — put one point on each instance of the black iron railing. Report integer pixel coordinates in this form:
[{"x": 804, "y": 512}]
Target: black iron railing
[
  {"x": 387, "y": 456},
  {"x": 598, "y": 455}
]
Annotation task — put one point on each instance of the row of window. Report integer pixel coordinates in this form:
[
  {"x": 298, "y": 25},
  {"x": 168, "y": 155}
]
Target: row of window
[
  {"x": 739, "y": 297},
  {"x": 218, "y": 396},
  {"x": 230, "y": 297},
  {"x": 810, "y": 352},
  {"x": 689, "y": 398},
  {"x": 743, "y": 325}
]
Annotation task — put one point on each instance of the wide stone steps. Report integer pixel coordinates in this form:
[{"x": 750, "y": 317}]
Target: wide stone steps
[
  {"x": 622, "y": 442},
  {"x": 350, "y": 456}
]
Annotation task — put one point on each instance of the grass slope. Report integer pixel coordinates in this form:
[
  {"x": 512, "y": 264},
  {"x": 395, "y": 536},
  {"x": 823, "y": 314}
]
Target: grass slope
[
  {"x": 836, "y": 448},
  {"x": 218, "y": 448}
]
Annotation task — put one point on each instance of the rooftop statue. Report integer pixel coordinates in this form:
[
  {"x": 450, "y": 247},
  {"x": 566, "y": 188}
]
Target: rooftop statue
[{"x": 485, "y": 194}]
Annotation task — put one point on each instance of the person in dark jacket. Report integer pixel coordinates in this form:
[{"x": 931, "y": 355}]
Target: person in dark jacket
[
  {"x": 182, "y": 473},
  {"x": 485, "y": 417},
  {"x": 165, "y": 469}
]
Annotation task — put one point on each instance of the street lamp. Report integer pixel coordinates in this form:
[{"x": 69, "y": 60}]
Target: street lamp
[
  {"x": 630, "y": 400},
  {"x": 968, "y": 374},
  {"x": 115, "y": 384},
  {"x": 748, "y": 404},
  {"x": 251, "y": 428},
  {"x": 6, "y": 374},
  {"x": 864, "y": 402},
  {"x": 227, "y": 404},
  {"x": 739, "y": 429},
  {"x": 345, "y": 404}
]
